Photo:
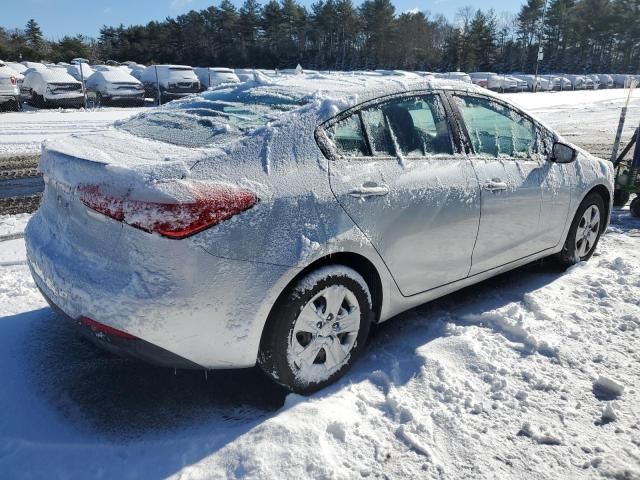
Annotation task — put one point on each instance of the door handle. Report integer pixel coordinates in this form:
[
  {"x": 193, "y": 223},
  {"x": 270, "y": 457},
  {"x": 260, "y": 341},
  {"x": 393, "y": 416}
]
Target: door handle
[
  {"x": 495, "y": 185},
  {"x": 370, "y": 189}
]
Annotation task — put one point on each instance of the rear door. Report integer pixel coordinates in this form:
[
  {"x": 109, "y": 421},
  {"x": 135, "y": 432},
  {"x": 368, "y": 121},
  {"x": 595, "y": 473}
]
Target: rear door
[
  {"x": 395, "y": 171},
  {"x": 508, "y": 158}
]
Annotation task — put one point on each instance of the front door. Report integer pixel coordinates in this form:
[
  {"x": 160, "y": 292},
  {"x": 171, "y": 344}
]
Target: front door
[
  {"x": 510, "y": 171},
  {"x": 395, "y": 173}
]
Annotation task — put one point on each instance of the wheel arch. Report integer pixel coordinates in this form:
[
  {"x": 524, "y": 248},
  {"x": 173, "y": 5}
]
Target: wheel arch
[
  {"x": 357, "y": 262},
  {"x": 604, "y": 192}
]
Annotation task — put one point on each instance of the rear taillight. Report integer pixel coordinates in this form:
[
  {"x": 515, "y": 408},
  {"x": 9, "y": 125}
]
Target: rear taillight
[
  {"x": 196, "y": 207},
  {"x": 98, "y": 327},
  {"x": 14, "y": 80}
]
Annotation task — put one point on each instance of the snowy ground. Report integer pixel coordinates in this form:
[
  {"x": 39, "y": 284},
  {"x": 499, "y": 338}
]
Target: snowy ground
[
  {"x": 22, "y": 132},
  {"x": 534, "y": 374}
]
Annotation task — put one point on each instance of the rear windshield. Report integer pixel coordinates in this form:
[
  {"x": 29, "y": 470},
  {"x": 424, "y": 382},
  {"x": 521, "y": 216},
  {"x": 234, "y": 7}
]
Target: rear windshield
[{"x": 212, "y": 119}]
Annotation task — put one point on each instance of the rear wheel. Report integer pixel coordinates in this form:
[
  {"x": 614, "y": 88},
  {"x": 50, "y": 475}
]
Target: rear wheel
[
  {"x": 318, "y": 330},
  {"x": 585, "y": 231}
]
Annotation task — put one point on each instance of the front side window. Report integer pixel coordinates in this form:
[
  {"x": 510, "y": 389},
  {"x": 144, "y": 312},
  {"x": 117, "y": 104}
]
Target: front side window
[{"x": 496, "y": 130}]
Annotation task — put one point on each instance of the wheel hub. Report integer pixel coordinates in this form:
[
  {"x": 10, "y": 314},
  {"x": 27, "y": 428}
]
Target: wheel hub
[{"x": 324, "y": 333}]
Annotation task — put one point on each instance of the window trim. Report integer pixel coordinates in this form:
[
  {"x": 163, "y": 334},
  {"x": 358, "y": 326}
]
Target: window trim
[
  {"x": 328, "y": 147},
  {"x": 462, "y": 124}
]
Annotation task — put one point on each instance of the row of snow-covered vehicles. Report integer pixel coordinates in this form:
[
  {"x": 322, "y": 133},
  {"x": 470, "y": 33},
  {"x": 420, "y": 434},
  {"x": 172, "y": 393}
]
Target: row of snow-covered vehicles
[
  {"x": 69, "y": 84},
  {"x": 517, "y": 82}
]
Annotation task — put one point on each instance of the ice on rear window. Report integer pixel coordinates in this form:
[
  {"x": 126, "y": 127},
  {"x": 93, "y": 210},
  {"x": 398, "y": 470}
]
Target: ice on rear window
[{"x": 211, "y": 119}]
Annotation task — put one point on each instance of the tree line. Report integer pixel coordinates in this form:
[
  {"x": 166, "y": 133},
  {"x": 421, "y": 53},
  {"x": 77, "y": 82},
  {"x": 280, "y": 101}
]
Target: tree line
[{"x": 575, "y": 36}]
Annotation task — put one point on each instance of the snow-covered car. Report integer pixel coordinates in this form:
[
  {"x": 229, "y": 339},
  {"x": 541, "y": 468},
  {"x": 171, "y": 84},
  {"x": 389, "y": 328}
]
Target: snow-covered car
[
  {"x": 534, "y": 83},
  {"x": 212, "y": 77},
  {"x": 52, "y": 88},
  {"x": 274, "y": 223},
  {"x": 169, "y": 82},
  {"x": 116, "y": 86},
  {"x": 606, "y": 81},
  {"x": 244, "y": 74},
  {"x": 9, "y": 89},
  {"x": 34, "y": 65},
  {"x": 578, "y": 82},
  {"x": 555, "y": 82},
  {"x": 80, "y": 71},
  {"x": 486, "y": 80},
  {"x": 622, "y": 81}
]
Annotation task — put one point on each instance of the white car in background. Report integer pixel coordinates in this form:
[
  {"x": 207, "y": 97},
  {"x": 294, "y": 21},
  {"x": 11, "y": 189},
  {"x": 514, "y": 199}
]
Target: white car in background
[
  {"x": 116, "y": 86},
  {"x": 606, "y": 81},
  {"x": 212, "y": 77},
  {"x": 460, "y": 76},
  {"x": 80, "y": 71},
  {"x": 52, "y": 88},
  {"x": 486, "y": 80},
  {"x": 9, "y": 90},
  {"x": 578, "y": 82},
  {"x": 34, "y": 65},
  {"x": 169, "y": 82}
]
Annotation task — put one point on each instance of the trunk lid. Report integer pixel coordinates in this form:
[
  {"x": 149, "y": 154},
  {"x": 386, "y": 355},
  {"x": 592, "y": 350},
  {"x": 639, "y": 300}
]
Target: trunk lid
[{"x": 113, "y": 159}]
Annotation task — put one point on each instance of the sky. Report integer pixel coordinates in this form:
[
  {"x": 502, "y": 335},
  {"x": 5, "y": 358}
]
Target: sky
[{"x": 65, "y": 17}]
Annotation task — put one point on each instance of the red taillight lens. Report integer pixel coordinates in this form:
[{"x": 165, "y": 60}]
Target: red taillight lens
[
  {"x": 14, "y": 80},
  {"x": 106, "y": 329},
  {"x": 201, "y": 206}
]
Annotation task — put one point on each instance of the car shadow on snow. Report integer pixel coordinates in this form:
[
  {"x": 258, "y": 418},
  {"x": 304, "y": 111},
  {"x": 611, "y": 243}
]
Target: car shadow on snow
[{"x": 121, "y": 397}]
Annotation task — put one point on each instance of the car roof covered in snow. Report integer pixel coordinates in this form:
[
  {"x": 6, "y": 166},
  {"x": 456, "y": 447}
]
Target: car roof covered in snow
[
  {"x": 56, "y": 75},
  {"x": 344, "y": 89},
  {"x": 117, "y": 75}
]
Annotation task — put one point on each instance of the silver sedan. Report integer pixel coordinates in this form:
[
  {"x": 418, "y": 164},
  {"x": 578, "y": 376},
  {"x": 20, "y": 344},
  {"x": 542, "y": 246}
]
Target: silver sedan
[{"x": 273, "y": 222}]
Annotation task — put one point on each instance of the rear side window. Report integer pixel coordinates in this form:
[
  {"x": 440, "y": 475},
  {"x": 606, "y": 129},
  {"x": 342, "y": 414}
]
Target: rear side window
[
  {"x": 496, "y": 130},
  {"x": 348, "y": 137},
  {"x": 408, "y": 127}
]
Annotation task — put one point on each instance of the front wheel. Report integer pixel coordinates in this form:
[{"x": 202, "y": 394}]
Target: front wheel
[
  {"x": 317, "y": 330},
  {"x": 585, "y": 231}
]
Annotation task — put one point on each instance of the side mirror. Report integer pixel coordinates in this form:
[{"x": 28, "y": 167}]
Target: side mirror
[{"x": 563, "y": 153}]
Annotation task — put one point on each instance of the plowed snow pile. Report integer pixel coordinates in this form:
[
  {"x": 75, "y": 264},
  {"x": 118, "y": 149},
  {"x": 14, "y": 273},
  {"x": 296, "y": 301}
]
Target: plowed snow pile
[{"x": 534, "y": 374}]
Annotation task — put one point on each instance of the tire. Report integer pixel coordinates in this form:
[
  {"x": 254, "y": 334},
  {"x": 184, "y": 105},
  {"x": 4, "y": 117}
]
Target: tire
[
  {"x": 620, "y": 198},
  {"x": 37, "y": 100},
  {"x": 634, "y": 208},
  {"x": 99, "y": 100},
  {"x": 331, "y": 347},
  {"x": 581, "y": 249}
]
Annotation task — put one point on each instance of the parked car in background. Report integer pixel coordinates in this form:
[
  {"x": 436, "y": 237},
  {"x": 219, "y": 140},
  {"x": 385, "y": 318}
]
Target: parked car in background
[
  {"x": 16, "y": 67},
  {"x": 460, "y": 76},
  {"x": 622, "y": 81},
  {"x": 244, "y": 74},
  {"x": 606, "y": 81},
  {"x": 77, "y": 61},
  {"x": 34, "y": 65},
  {"x": 169, "y": 82},
  {"x": 578, "y": 82},
  {"x": 212, "y": 77},
  {"x": 555, "y": 83},
  {"x": 116, "y": 87},
  {"x": 9, "y": 89},
  {"x": 533, "y": 84},
  {"x": 485, "y": 80},
  {"x": 80, "y": 71},
  {"x": 595, "y": 79},
  {"x": 52, "y": 88}
]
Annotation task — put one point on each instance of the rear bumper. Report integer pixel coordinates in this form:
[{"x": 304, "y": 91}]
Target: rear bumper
[
  {"x": 134, "y": 348},
  {"x": 65, "y": 102},
  {"x": 172, "y": 295}
]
